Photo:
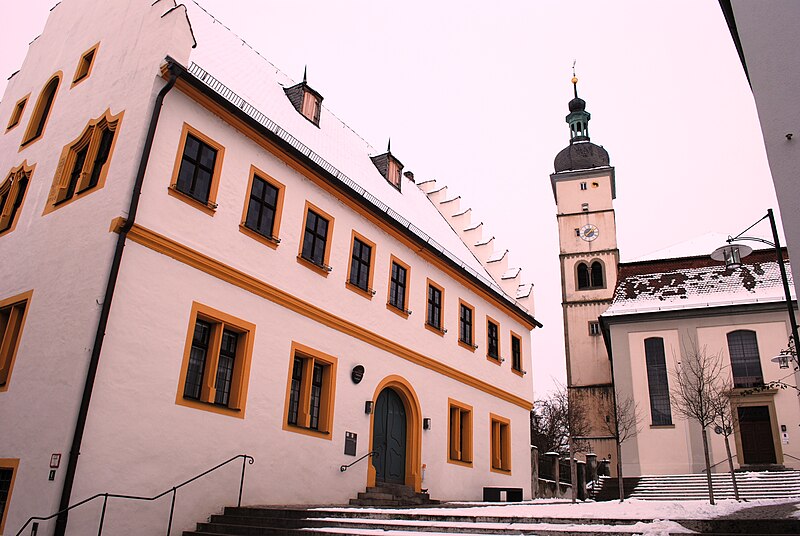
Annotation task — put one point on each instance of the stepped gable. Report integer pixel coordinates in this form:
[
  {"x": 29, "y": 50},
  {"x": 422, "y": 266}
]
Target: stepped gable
[
  {"x": 482, "y": 247},
  {"x": 238, "y": 66},
  {"x": 693, "y": 282}
]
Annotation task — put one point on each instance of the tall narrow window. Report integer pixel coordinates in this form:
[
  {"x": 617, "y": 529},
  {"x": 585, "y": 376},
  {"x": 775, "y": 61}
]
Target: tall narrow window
[
  {"x": 16, "y": 113},
  {"x": 41, "y": 112},
  {"x": 85, "y": 65},
  {"x": 12, "y": 194},
  {"x": 315, "y": 238},
  {"x": 84, "y": 163},
  {"x": 310, "y": 392},
  {"x": 360, "y": 264},
  {"x": 660, "y": 410},
  {"x": 262, "y": 213},
  {"x": 745, "y": 359},
  {"x": 398, "y": 287},
  {"x": 433, "y": 318},
  {"x": 216, "y": 365},
  {"x": 597, "y": 274},
  {"x": 459, "y": 439},
  {"x": 8, "y": 471},
  {"x": 198, "y": 165},
  {"x": 466, "y": 325},
  {"x": 583, "y": 276},
  {"x": 12, "y": 320},
  {"x": 492, "y": 340},
  {"x": 516, "y": 353},
  {"x": 500, "y": 443}
]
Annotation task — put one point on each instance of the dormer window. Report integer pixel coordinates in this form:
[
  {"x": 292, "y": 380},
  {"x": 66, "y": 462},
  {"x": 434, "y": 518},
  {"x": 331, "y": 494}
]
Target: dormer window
[
  {"x": 390, "y": 167},
  {"x": 305, "y": 100}
]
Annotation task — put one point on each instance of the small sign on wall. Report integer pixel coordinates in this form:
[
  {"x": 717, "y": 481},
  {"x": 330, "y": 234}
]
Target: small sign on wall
[
  {"x": 55, "y": 461},
  {"x": 350, "y": 443}
]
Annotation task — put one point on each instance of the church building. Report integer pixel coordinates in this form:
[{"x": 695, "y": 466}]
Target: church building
[{"x": 199, "y": 260}]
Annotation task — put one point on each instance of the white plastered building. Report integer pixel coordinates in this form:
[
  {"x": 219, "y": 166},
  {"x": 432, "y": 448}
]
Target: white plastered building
[{"x": 240, "y": 274}]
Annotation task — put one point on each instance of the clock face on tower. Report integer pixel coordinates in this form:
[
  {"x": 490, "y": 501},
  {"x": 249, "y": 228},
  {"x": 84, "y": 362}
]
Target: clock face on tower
[{"x": 589, "y": 232}]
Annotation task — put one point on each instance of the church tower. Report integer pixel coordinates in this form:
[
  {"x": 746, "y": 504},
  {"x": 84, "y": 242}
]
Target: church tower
[{"x": 584, "y": 190}]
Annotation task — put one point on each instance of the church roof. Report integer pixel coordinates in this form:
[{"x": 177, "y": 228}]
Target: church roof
[
  {"x": 239, "y": 73},
  {"x": 696, "y": 282},
  {"x": 581, "y": 155}
]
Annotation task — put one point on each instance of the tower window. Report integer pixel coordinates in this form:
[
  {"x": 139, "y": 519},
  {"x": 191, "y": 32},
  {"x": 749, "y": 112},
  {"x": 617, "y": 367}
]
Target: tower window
[
  {"x": 583, "y": 186},
  {"x": 594, "y": 328},
  {"x": 590, "y": 277},
  {"x": 585, "y": 207}
]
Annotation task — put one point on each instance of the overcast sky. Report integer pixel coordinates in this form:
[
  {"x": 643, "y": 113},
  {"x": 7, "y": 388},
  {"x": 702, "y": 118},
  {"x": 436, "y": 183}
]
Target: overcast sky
[{"x": 474, "y": 94}]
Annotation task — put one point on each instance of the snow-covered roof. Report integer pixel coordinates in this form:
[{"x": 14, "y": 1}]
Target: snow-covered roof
[
  {"x": 697, "y": 282},
  {"x": 261, "y": 85}
]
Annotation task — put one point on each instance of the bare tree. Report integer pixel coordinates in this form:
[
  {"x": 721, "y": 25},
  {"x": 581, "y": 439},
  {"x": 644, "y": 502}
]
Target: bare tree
[
  {"x": 556, "y": 422},
  {"x": 554, "y": 419},
  {"x": 697, "y": 377},
  {"x": 625, "y": 426},
  {"x": 724, "y": 423}
]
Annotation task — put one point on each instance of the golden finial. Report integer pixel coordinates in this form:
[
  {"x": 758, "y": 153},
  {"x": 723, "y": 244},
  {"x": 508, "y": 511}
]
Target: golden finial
[{"x": 574, "y": 79}]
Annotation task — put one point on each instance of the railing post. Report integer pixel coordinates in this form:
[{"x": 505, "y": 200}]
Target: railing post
[
  {"x": 171, "y": 510},
  {"x": 102, "y": 515},
  {"x": 241, "y": 482}
]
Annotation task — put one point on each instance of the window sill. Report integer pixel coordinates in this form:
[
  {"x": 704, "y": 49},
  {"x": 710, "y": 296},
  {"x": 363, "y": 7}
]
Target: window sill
[
  {"x": 28, "y": 143},
  {"x": 660, "y": 426},
  {"x": 495, "y": 359},
  {"x": 518, "y": 372},
  {"x": 366, "y": 293},
  {"x": 321, "y": 269},
  {"x": 306, "y": 431},
  {"x": 210, "y": 407},
  {"x": 467, "y": 346},
  {"x": 398, "y": 311},
  {"x": 459, "y": 462},
  {"x": 271, "y": 241},
  {"x": 209, "y": 208},
  {"x": 433, "y": 329},
  {"x": 506, "y": 472}
]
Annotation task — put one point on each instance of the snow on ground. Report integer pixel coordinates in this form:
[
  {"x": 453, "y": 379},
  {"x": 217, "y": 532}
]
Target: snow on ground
[{"x": 564, "y": 509}]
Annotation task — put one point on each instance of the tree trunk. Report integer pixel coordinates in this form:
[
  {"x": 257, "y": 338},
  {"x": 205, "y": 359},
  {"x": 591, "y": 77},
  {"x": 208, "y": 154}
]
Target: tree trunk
[
  {"x": 620, "y": 481},
  {"x": 730, "y": 466},
  {"x": 708, "y": 468},
  {"x": 573, "y": 472}
]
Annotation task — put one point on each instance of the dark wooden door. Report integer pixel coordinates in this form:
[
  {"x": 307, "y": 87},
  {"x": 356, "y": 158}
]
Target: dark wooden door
[
  {"x": 389, "y": 438},
  {"x": 755, "y": 429}
]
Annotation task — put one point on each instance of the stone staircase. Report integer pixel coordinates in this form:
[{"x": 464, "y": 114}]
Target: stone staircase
[
  {"x": 273, "y": 521},
  {"x": 752, "y": 485},
  {"x": 388, "y": 495}
]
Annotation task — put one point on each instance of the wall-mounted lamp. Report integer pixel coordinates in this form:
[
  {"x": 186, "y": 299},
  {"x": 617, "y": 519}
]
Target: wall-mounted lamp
[
  {"x": 368, "y": 407},
  {"x": 426, "y": 423}
]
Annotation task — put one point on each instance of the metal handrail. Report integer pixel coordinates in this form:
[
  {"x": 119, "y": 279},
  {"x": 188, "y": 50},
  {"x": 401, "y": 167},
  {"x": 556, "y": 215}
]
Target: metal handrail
[
  {"x": 343, "y": 468},
  {"x": 246, "y": 460},
  {"x": 724, "y": 460}
]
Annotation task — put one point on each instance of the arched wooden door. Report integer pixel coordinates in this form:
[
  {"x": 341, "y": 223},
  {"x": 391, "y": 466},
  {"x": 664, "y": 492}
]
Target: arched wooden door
[{"x": 389, "y": 438}]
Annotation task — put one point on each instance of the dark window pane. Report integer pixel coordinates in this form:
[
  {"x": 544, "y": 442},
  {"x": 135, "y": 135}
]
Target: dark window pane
[
  {"x": 583, "y": 277},
  {"x": 316, "y": 396},
  {"x": 197, "y": 169},
  {"x": 465, "y": 324},
  {"x": 77, "y": 169},
  {"x": 745, "y": 359},
  {"x": 315, "y": 238},
  {"x": 397, "y": 287},
  {"x": 359, "y": 264},
  {"x": 197, "y": 360},
  {"x": 227, "y": 357},
  {"x": 5, "y": 484},
  {"x": 660, "y": 410},
  {"x": 597, "y": 274},
  {"x": 262, "y": 206},
  {"x": 516, "y": 353},
  {"x": 492, "y": 340},
  {"x": 294, "y": 390}
]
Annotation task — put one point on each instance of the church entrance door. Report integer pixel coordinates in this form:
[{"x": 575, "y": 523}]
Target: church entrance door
[
  {"x": 755, "y": 429},
  {"x": 389, "y": 438}
]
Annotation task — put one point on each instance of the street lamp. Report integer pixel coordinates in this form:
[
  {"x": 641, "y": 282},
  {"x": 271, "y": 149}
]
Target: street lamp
[{"x": 731, "y": 254}]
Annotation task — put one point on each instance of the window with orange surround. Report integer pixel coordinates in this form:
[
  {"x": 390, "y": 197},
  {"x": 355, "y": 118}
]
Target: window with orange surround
[
  {"x": 12, "y": 321},
  {"x": 198, "y": 166},
  {"x": 399, "y": 275},
  {"x": 500, "y": 444},
  {"x": 263, "y": 208},
  {"x": 516, "y": 354},
  {"x": 12, "y": 195},
  {"x": 459, "y": 439},
  {"x": 41, "y": 113},
  {"x": 493, "y": 340},
  {"x": 84, "y": 163},
  {"x": 362, "y": 266},
  {"x": 310, "y": 391},
  {"x": 315, "y": 246},
  {"x": 216, "y": 362},
  {"x": 8, "y": 472},
  {"x": 435, "y": 308},
  {"x": 16, "y": 113},
  {"x": 466, "y": 326},
  {"x": 85, "y": 65}
]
